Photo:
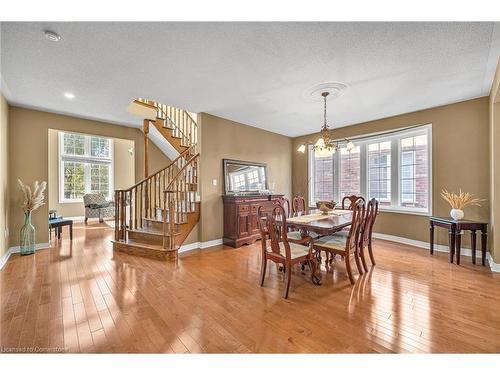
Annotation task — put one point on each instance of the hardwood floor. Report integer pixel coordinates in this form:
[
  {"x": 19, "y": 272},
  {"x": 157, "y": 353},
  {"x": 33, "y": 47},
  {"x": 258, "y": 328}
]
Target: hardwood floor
[{"x": 81, "y": 298}]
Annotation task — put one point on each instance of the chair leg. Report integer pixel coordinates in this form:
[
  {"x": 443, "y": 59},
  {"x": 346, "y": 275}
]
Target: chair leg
[
  {"x": 362, "y": 255},
  {"x": 358, "y": 264},
  {"x": 370, "y": 252},
  {"x": 313, "y": 266},
  {"x": 348, "y": 268},
  {"x": 86, "y": 219},
  {"x": 288, "y": 278},
  {"x": 263, "y": 270}
]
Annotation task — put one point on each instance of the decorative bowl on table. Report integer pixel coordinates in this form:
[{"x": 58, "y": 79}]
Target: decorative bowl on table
[{"x": 325, "y": 206}]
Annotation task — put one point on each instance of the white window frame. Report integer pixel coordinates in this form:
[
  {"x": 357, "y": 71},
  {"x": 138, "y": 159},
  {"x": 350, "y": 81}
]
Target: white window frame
[
  {"x": 363, "y": 141},
  {"x": 87, "y": 159}
]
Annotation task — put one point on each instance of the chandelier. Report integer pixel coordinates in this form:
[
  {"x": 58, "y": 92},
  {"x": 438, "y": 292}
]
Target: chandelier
[{"x": 325, "y": 145}]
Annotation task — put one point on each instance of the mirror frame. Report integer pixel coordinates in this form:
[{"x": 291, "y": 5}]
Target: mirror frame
[{"x": 225, "y": 162}]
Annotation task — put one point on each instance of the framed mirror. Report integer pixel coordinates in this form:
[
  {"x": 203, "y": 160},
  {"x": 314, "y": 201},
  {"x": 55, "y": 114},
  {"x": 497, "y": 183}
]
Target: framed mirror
[{"x": 242, "y": 177}]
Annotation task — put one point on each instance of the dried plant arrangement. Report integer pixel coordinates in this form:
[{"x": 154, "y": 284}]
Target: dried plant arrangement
[
  {"x": 32, "y": 198},
  {"x": 461, "y": 200}
]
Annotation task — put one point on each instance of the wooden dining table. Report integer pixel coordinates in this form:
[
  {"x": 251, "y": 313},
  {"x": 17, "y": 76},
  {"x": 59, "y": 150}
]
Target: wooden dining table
[{"x": 319, "y": 223}]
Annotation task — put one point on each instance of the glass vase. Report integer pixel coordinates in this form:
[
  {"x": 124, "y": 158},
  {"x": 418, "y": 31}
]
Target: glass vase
[{"x": 27, "y": 242}]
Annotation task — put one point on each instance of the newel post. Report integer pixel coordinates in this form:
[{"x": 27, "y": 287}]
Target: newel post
[{"x": 146, "y": 147}]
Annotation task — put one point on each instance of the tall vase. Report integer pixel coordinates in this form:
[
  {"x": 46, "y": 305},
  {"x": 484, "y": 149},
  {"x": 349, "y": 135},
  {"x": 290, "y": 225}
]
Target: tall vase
[{"x": 27, "y": 242}]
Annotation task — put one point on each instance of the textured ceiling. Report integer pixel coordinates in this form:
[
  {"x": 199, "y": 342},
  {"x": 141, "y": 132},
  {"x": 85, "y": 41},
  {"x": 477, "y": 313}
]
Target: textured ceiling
[{"x": 255, "y": 73}]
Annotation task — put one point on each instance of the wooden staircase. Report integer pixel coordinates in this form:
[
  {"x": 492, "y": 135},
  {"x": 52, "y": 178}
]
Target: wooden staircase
[{"x": 154, "y": 217}]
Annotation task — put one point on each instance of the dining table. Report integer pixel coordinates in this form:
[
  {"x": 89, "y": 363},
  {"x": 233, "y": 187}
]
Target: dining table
[{"x": 323, "y": 224}]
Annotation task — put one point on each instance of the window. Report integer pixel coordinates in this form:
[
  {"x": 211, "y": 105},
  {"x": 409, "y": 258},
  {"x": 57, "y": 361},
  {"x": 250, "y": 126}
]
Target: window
[
  {"x": 322, "y": 178},
  {"x": 394, "y": 168},
  {"x": 350, "y": 172},
  {"x": 414, "y": 171},
  {"x": 85, "y": 166},
  {"x": 379, "y": 172}
]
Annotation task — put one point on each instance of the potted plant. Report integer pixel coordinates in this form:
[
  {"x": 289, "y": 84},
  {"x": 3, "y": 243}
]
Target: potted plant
[
  {"x": 32, "y": 200},
  {"x": 459, "y": 201}
]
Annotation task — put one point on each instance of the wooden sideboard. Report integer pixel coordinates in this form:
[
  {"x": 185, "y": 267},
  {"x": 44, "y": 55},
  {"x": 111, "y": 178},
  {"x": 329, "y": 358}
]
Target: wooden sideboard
[{"x": 240, "y": 217}]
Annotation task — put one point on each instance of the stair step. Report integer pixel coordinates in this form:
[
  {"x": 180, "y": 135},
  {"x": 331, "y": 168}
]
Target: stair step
[
  {"x": 151, "y": 235},
  {"x": 145, "y": 250},
  {"x": 158, "y": 224}
]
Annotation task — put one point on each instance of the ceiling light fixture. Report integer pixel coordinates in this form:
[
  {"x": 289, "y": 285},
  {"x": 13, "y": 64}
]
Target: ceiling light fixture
[
  {"x": 69, "y": 95},
  {"x": 325, "y": 145},
  {"x": 52, "y": 36}
]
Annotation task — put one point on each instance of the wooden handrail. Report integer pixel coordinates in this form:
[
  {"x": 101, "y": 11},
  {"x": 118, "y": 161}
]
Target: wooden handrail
[
  {"x": 168, "y": 189},
  {"x": 159, "y": 171}
]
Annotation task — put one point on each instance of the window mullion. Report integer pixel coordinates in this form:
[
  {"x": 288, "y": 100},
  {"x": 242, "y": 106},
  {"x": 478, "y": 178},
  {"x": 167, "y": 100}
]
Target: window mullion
[
  {"x": 363, "y": 170},
  {"x": 395, "y": 183},
  {"x": 336, "y": 176},
  {"x": 86, "y": 177}
]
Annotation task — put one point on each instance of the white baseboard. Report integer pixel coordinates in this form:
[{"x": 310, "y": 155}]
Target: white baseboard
[
  {"x": 17, "y": 249},
  {"x": 495, "y": 267},
  {"x": 200, "y": 245}
]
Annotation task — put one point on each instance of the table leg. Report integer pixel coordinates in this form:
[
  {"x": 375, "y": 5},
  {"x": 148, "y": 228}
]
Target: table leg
[
  {"x": 451, "y": 234},
  {"x": 473, "y": 245},
  {"x": 431, "y": 240},
  {"x": 71, "y": 231},
  {"x": 484, "y": 241},
  {"x": 458, "y": 244},
  {"x": 58, "y": 233}
]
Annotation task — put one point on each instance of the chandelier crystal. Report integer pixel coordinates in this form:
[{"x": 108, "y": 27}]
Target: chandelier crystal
[{"x": 325, "y": 145}]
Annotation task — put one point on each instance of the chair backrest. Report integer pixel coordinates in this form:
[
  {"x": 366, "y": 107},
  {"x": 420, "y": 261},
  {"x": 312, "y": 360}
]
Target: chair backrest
[
  {"x": 269, "y": 228},
  {"x": 298, "y": 204},
  {"x": 370, "y": 216},
  {"x": 358, "y": 215},
  {"x": 96, "y": 198},
  {"x": 349, "y": 201},
  {"x": 285, "y": 203}
]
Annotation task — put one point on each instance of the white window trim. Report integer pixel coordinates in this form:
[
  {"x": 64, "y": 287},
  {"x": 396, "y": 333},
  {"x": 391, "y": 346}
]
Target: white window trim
[
  {"x": 84, "y": 159},
  {"x": 395, "y": 168}
]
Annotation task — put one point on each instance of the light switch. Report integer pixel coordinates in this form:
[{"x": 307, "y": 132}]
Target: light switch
[{"x": 214, "y": 182}]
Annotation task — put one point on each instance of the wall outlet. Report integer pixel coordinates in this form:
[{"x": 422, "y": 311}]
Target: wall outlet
[{"x": 214, "y": 182}]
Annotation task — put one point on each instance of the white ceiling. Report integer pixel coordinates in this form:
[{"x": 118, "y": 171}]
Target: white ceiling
[{"x": 255, "y": 73}]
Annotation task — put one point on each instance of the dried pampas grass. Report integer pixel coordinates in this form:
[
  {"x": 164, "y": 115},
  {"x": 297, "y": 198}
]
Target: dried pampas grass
[
  {"x": 461, "y": 200},
  {"x": 33, "y": 198}
]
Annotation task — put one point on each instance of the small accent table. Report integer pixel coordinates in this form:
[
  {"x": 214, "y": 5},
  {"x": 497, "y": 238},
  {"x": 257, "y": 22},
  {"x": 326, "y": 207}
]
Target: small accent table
[
  {"x": 58, "y": 223},
  {"x": 455, "y": 228}
]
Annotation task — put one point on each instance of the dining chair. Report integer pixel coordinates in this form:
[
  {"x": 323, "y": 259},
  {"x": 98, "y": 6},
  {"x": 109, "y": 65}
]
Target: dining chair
[
  {"x": 352, "y": 199},
  {"x": 298, "y": 204},
  {"x": 285, "y": 203},
  {"x": 279, "y": 250},
  {"x": 365, "y": 238},
  {"x": 344, "y": 244}
]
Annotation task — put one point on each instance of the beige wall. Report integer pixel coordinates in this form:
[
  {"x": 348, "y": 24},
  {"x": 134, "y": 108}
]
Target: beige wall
[
  {"x": 460, "y": 160},
  {"x": 123, "y": 173},
  {"x": 28, "y": 141},
  {"x": 225, "y": 139},
  {"x": 494, "y": 128},
  {"x": 4, "y": 167}
]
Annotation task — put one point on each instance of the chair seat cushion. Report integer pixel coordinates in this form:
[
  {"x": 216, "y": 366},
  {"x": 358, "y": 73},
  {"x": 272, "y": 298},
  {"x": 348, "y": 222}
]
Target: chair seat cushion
[
  {"x": 98, "y": 205},
  {"x": 336, "y": 241},
  {"x": 296, "y": 250},
  {"x": 297, "y": 235}
]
